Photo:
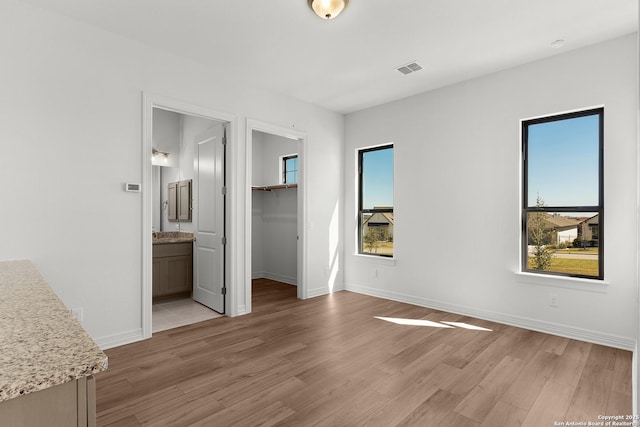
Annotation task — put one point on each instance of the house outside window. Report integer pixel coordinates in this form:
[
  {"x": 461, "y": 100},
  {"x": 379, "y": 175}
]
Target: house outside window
[
  {"x": 563, "y": 203},
  {"x": 290, "y": 169},
  {"x": 375, "y": 201}
]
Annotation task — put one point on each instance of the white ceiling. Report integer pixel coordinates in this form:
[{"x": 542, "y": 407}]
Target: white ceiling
[{"x": 348, "y": 63}]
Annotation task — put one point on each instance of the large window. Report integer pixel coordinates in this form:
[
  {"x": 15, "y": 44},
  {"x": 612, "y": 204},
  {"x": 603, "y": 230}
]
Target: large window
[
  {"x": 562, "y": 207},
  {"x": 290, "y": 169},
  {"x": 375, "y": 201}
]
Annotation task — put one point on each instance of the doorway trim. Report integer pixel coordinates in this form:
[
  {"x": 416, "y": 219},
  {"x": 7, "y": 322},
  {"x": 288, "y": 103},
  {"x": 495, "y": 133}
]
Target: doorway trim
[
  {"x": 149, "y": 102},
  {"x": 301, "y": 136}
]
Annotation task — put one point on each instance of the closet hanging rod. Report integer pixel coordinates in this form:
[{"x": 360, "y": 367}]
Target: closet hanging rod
[{"x": 274, "y": 187}]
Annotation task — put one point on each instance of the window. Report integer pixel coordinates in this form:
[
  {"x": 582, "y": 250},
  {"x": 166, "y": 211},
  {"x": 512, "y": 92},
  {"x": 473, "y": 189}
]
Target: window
[
  {"x": 375, "y": 201},
  {"x": 290, "y": 169},
  {"x": 562, "y": 207}
]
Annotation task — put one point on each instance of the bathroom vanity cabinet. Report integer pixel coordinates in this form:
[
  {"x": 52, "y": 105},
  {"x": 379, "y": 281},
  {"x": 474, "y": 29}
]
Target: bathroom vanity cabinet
[{"x": 172, "y": 270}]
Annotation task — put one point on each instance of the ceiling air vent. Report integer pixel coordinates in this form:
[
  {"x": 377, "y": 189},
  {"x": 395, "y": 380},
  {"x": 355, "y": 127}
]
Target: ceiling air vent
[{"x": 409, "y": 68}]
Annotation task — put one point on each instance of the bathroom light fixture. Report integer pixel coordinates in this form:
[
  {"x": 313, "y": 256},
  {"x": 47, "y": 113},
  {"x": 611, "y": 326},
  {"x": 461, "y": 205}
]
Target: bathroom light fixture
[
  {"x": 159, "y": 155},
  {"x": 327, "y": 9}
]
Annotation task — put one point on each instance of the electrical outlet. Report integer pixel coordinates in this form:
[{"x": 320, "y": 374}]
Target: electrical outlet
[
  {"x": 77, "y": 313},
  {"x": 553, "y": 300}
]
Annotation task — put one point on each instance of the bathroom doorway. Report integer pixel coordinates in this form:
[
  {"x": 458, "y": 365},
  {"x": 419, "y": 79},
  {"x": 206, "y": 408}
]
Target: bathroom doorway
[{"x": 187, "y": 210}]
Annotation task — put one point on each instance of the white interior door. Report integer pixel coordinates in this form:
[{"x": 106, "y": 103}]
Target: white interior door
[{"x": 208, "y": 216}]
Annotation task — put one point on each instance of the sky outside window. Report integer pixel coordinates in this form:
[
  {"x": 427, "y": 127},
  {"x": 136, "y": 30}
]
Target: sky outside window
[
  {"x": 377, "y": 177},
  {"x": 291, "y": 170},
  {"x": 563, "y": 162}
]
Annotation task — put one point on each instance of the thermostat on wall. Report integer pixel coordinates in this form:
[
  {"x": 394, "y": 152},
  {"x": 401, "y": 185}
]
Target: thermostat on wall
[{"x": 135, "y": 188}]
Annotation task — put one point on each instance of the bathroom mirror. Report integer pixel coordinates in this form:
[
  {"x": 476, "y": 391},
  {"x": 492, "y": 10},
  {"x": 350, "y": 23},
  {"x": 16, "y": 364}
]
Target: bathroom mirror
[{"x": 162, "y": 220}]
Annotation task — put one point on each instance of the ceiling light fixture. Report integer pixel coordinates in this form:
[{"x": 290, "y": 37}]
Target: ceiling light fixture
[{"x": 327, "y": 9}]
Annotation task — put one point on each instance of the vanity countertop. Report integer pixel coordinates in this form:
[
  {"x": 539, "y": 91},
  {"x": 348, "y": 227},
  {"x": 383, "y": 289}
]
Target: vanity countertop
[
  {"x": 164, "y": 237},
  {"x": 41, "y": 344}
]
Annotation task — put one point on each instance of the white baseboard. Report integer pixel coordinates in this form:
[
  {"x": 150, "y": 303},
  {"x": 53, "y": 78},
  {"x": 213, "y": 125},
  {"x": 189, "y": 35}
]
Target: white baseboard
[
  {"x": 119, "y": 339},
  {"x": 317, "y": 292},
  {"x": 242, "y": 309},
  {"x": 566, "y": 331},
  {"x": 634, "y": 381},
  {"x": 312, "y": 293},
  {"x": 277, "y": 277}
]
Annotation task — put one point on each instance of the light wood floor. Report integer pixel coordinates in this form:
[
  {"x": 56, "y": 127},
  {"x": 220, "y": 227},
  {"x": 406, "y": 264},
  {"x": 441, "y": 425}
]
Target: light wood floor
[{"x": 328, "y": 361}]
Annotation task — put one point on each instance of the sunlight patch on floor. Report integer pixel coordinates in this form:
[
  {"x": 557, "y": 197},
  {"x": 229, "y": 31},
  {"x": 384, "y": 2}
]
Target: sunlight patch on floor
[
  {"x": 413, "y": 322},
  {"x": 423, "y": 322},
  {"x": 468, "y": 326}
]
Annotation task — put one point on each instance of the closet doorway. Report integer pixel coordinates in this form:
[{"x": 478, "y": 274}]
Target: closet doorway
[{"x": 276, "y": 176}]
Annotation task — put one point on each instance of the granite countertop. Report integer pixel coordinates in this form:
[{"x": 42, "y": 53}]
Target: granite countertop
[
  {"x": 164, "y": 237},
  {"x": 41, "y": 343}
]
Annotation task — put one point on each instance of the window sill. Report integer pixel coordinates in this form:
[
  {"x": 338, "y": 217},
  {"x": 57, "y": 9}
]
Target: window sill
[
  {"x": 374, "y": 259},
  {"x": 580, "y": 284}
]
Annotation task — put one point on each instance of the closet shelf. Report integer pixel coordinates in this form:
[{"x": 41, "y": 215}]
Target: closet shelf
[{"x": 274, "y": 187}]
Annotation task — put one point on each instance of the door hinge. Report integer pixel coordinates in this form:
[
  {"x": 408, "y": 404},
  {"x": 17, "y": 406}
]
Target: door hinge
[
  {"x": 224, "y": 140},
  {"x": 223, "y": 291},
  {"x": 224, "y": 240},
  {"x": 224, "y": 190}
]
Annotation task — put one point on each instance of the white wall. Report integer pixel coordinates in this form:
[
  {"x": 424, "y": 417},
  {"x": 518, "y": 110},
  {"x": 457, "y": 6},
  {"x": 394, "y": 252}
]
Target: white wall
[
  {"x": 274, "y": 213},
  {"x": 157, "y": 199},
  {"x": 267, "y": 159},
  {"x": 257, "y": 248},
  {"x": 166, "y": 135},
  {"x": 257, "y": 264},
  {"x": 279, "y": 231},
  {"x": 457, "y": 195},
  {"x": 636, "y": 359},
  {"x": 167, "y": 175},
  {"x": 71, "y": 110},
  {"x": 166, "y": 138}
]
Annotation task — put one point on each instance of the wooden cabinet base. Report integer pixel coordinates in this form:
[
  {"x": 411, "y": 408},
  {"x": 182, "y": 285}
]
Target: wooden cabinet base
[
  {"x": 172, "y": 270},
  {"x": 64, "y": 405}
]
